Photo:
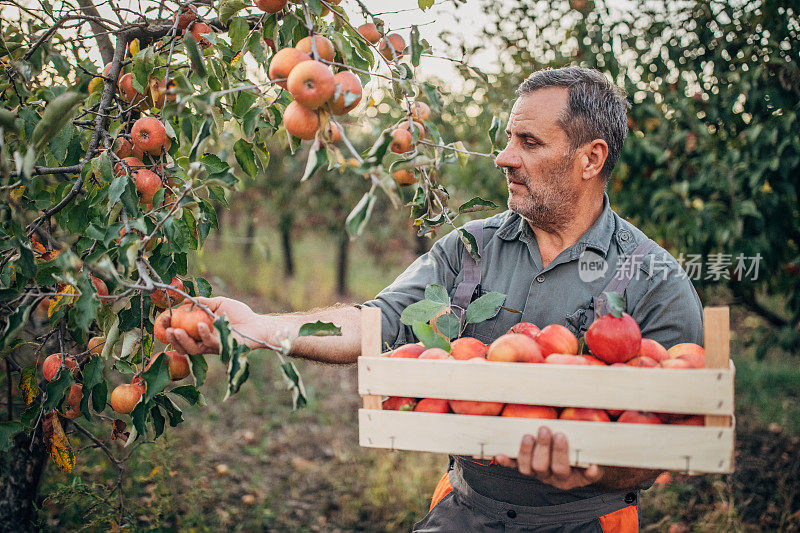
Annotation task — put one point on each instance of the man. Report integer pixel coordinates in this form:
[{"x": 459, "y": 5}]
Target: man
[{"x": 565, "y": 133}]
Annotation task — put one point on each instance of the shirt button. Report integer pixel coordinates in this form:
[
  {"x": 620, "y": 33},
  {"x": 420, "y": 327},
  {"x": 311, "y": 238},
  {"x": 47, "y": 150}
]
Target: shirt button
[
  {"x": 540, "y": 279},
  {"x": 512, "y": 513},
  {"x": 630, "y": 497}
]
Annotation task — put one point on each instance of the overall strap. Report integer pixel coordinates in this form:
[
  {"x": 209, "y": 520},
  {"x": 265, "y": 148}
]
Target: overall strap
[
  {"x": 472, "y": 270},
  {"x": 621, "y": 278}
]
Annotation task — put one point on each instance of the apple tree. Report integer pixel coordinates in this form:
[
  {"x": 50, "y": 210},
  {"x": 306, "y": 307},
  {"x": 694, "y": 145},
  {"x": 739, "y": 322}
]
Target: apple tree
[{"x": 121, "y": 133}]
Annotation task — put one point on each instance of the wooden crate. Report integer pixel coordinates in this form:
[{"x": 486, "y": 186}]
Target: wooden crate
[{"x": 697, "y": 449}]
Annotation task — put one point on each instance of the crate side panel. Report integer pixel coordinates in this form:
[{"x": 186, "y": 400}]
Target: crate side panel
[
  {"x": 644, "y": 389},
  {"x": 682, "y": 448}
]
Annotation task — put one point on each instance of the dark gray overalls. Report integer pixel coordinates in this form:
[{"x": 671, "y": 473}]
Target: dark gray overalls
[{"x": 458, "y": 507}]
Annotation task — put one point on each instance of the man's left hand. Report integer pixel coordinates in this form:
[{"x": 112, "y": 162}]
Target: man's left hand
[{"x": 546, "y": 458}]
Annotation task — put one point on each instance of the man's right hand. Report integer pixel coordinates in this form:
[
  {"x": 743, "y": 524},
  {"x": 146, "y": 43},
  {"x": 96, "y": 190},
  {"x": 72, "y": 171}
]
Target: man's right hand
[{"x": 240, "y": 317}]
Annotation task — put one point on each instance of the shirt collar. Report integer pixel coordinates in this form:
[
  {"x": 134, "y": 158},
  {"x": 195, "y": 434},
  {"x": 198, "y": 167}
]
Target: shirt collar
[{"x": 597, "y": 237}]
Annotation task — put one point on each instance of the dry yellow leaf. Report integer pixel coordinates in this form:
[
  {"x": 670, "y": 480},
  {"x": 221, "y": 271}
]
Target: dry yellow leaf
[{"x": 60, "y": 448}]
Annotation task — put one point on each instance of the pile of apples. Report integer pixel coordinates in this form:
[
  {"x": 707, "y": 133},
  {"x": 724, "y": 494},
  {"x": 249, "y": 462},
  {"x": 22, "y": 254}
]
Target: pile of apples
[{"x": 613, "y": 341}]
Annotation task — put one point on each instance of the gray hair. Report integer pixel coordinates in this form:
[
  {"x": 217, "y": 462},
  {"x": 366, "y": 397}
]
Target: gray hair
[{"x": 596, "y": 108}]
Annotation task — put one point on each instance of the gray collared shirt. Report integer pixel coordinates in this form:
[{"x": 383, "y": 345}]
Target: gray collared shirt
[{"x": 660, "y": 296}]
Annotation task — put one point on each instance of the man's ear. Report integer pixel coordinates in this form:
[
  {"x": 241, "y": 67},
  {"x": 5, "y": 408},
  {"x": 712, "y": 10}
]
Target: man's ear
[{"x": 594, "y": 157}]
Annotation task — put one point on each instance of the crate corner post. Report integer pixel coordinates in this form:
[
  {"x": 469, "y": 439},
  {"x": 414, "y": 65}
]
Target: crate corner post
[{"x": 370, "y": 347}]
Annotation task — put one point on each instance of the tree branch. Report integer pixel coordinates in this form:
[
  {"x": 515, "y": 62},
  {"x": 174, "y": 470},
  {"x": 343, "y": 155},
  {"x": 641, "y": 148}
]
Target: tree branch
[{"x": 103, "y": 41}]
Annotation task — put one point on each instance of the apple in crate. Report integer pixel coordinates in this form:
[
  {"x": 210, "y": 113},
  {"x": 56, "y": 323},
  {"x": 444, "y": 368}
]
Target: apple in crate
[
  {"x": 525, "y": 328},
  {"x": 466, "y": 348},
  {"x": 471, "y": 407},
  {"x": 515, "y": 348},
  {"x": 638, "y": 417},
  {"x": 432, "y": 405},
  {"x": 399, "y": 403},
  {"x": 519, "y": 410},
  {"x": 614, "y": 339},
  {"x": 555, "y": 338},
  {"x": 584, "y": 413},
  {"x": 408, "y": 351}
]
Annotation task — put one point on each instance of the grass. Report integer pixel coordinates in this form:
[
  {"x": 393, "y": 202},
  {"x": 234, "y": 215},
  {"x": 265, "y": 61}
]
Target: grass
[{"x": 305, "y": 471}]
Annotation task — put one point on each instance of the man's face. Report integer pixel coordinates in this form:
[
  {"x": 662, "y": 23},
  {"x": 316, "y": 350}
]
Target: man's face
[{"x": 543, "y": 182}]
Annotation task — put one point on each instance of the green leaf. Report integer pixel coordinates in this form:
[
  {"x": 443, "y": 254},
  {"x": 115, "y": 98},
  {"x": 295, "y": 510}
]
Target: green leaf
[
  {"x": 493, "y": 129},
  {"x": 214, "y": 165},
  {"x": 319, "y": 329},
  {"x": 173, "y": 411},
  {"x": 56, "y": 115},
  {"x": 615, "y": 304},
  {"x": 238, "y": 31},
  {"x": 199, "y": 369},
  {"x": 416, "y": 47},
  {"x": 244, "y": 102},
  {"x": 449, "y": 325},
  {"x": 425, "y": 4},
  {"x": 84, "y": 309},
  {"x": 92, "y": 375},
  {"x": 470, "y": 243},
  {"x": 360, "y": 214},
  {"x": 422, "y": 311},
  {"x": 243, "y": 151},
  {"x": 99, "y": 396},
  {"x": 295, "y": 384},
  {"x": 7, "y": 432},
  {"x": 484, "y": 307},
  {"x": 430, "y": 338},
  {"x": 156, "y": 377},
  {"x": 476, "y": 204},
  {"x": 158, "y": 420},
  {"x": 317, "y": 158},
  {"x": 14, "y": 324},
  {"x": 437, "y": 293},
  {"x": 188, "y": 392},
  {"x": 57, "y": 388},
  {"x": 228, "y": 8},
  {"x": 195, "y": 55}
]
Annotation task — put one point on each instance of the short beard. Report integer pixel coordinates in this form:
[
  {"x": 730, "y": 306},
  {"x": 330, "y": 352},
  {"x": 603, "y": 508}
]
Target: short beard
[{"x": 550, "y": 206}]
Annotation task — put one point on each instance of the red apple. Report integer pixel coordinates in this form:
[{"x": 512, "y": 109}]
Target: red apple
[
  {"x": 584, "y": 413},
  {"x": 467, "y": 348},
  {"x": 432, "y": 405},
  {"x": 555, "y": 338},
  {"x": 642, "y": 361},
  {"x": 515, "y": 347},
  {"x": 569, "y": 359},
  {"x": 675, "y": 363},
  {"x": 519, "y": 410},
  {"x": 638, "y": 417},
  {"x": 471, "y": 407},
  {"x": 525, "y": 328},
  {"x": 399, "y": 403},
  {"x": 614, "y": 340},
  {"x": 434, "y": 353},
  {"x": 52, "y": 363},
  {"x": 408, "y": 351},
  {"x": 653, "y": 349}
]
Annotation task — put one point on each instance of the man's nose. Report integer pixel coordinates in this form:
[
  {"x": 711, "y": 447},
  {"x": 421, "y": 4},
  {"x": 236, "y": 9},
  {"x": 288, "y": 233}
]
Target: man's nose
[{"x": 507, "y": 158}]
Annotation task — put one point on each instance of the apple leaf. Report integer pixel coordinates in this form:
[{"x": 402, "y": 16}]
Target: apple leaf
[
  {"x": 187, "y": 392},
  {"x": 316, "y": 159},
  {"x": 295, "y": 384},
  {"x": 430, "y": 338},
  {"x": 476, "y": 204},
  {"x": 173, "y": 411},
  {"x": 156, "y": 377},
  {"x": 28, "y": 385},
  {"x": 57, "y": 388},
  {"x": 437, "y": 293},
  {"x": 199, "y": 369},
  {"x": 99, "y": 396},
  {"x": 92, "y": 374},
  {"x": 7, "y": 432},
  {"x": 416, "y": 47},
  {"x": 158, "y": 420},
  {"x": 243, "y": 151},
  {"x": 470, "y": 243},
  {"x": 449, "y": 325},
  {"x": 359, "y": 216},
  {"x": 615, "y": 304},
  {"x": 422, "y": 311},
  {"x": 493, "y": 130},
  {"x": 484, "y": 307},
  {"x": 319, "y": 329}
]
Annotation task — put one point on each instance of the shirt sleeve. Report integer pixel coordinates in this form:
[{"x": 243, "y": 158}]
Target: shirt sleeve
[
  {"x": 669, "y": 311},
  {"x": 439, "y": 266}
]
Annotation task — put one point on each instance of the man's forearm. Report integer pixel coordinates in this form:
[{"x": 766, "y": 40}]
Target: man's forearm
[
  {"x": 330, "y": 349},
  {"x": 621, "y": 478}
]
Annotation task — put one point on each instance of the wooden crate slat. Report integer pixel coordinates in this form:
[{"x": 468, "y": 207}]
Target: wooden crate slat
[
  {"x": 682, "y": 448},
  {"x": 658, "y": 389},
  {"x": 371, "y": 346},
  {"x": 717, "y": 344}
]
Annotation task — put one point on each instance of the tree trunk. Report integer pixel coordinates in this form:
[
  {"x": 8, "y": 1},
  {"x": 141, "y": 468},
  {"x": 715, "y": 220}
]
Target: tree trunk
[
  {"x": 285, "y": 226},
  {"x": 251, "y": 234},
  {"x": 341, "y": 263},
  {"x": 20, "y": 473},
  {"x": 103, "y": 41}
]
